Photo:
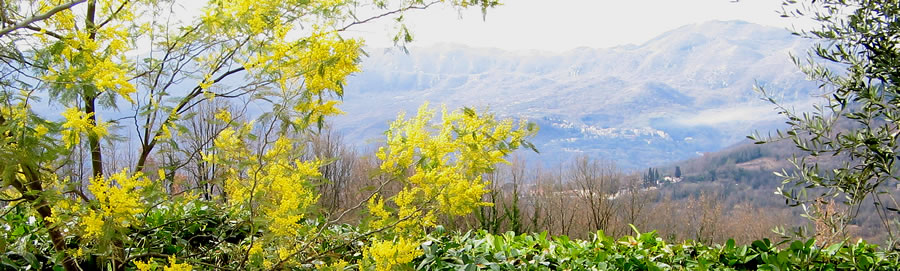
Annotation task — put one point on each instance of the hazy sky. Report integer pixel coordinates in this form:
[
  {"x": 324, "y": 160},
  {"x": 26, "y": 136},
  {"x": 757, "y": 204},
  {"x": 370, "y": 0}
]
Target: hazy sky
[{"x": 559, "y": 25}]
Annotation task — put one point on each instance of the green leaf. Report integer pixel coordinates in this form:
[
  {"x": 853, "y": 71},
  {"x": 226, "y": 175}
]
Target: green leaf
[{"x": 832, "y": 249}]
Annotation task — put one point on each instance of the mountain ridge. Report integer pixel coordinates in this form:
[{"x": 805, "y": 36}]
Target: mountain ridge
[{"x": 674, "y": 96}]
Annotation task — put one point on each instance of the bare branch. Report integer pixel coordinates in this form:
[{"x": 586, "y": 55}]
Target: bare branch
[{"x": 387, "y": 13}]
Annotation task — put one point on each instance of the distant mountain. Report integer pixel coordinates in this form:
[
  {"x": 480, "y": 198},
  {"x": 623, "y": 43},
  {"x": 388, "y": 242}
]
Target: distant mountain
[{"x": 685, "y": 92}]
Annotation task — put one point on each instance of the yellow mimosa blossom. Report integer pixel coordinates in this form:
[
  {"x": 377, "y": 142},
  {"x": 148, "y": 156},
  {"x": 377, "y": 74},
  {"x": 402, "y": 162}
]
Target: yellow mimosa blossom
[
  {"x": 390, "y": 254},
  {"x": 96, "y": 59},
  {"x": 175, "y": 266},
  {"x": 335, "y": 266},
  {"x": 441, "y": 165},
  {"x": 40, "y": 130},
  {"x": 143, "y": 266},
  {"x": 207, "y": 82},
  {"x": 78, "y": 123},
  {"x": 119, "y": 201},
  {"x": 93, "y": 224},
  {"x": 279, "y": 189},
  {"x": 256, "y": 250},
  {"x": 223, "y": 115}
]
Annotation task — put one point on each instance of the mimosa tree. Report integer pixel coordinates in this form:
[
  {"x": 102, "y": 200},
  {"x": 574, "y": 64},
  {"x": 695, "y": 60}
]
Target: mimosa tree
[{"x": 96, "y": 61}]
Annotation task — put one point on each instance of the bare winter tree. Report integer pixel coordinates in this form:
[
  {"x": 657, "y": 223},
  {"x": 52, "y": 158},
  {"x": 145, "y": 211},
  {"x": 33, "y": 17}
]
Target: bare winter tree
[
  {"x": 595, "y": 182},
  {"x": 632, "y": 201},
  {"x": 537, "y": 202},
  {"x": 339, "y": 171},
  {"x": 705, "y": 214}
]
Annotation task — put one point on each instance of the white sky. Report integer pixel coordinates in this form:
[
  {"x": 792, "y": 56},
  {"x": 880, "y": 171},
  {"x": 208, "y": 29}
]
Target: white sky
[{"x": 559, "y": 25}]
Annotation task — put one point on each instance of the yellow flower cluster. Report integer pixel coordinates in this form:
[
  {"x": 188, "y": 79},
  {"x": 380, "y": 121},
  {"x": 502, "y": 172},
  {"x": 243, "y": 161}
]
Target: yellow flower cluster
[
  {"x": 233, "y": 151},
  {"x": 275, "y": 183},
  {"x": 447, "y": 161},
  {"x": 118, "y": 205},
  {"x": 230, "y": 143},
  {"x": 288, "y": 193},
  {"x": 317, "y": 66},
  {"x": 144, "y": 266},
  {"x": 376, "y": 209},
  {"x": 77, "y": 123},
  {"x": 242, "y": 16},
  {"x": 307, "y": 65},
  {"x": 389, "y": 254},
  {"x": 328, "y": 60},
  {"x": 281, "y": 181},
  {"x": 9, "y": 192},
  {"x": 92, "y": 58},
  {"x": 173, "y": 265},
  {"x": 261, "y": 17},
  {"x": 16, "y": 118},
  {"x": 410, "y": 218},
  {"x": 282, "y": 192}
]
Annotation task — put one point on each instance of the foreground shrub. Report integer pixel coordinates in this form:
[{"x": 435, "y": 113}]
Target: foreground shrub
[{"x": 644, "y": 251}]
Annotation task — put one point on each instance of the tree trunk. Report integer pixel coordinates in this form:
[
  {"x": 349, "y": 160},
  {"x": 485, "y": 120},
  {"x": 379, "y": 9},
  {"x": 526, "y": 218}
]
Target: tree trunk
[
  {"x": 93, "y": 139},
  {"x": 43, "y": 209}
]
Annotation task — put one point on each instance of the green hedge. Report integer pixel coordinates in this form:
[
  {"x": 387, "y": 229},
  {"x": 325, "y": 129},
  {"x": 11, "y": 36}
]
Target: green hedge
[
  {"x": 646, "y": 251},
  {"x": 25, "y": 246}
]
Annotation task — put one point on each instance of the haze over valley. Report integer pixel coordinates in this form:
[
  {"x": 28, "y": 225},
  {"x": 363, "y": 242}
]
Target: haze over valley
[{"x": 681, "y": 94}]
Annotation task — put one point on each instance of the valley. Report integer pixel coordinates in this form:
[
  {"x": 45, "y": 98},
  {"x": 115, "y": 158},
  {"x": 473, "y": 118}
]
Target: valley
[{"x": 686, "y": 92}]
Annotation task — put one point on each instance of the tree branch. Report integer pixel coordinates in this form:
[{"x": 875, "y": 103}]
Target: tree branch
[
  {"x": 387, "y": 13},
  {"x": 27, "y": 22}
]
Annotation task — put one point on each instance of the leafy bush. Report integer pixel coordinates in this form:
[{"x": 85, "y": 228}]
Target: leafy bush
[{"x": 644, "y": 251}]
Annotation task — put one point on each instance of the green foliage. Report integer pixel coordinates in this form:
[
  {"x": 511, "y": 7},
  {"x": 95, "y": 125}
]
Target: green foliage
[
  {"x": 643, "y": 251},
  {"x": 23, "y": 241},
  {"x": 856, "y": 65}
]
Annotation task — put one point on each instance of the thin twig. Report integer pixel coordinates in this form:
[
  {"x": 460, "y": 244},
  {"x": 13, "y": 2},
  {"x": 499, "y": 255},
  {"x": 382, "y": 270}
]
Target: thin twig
[
  {"x": 41, "y": 17},
  {"x": 387, "y": 13}
]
